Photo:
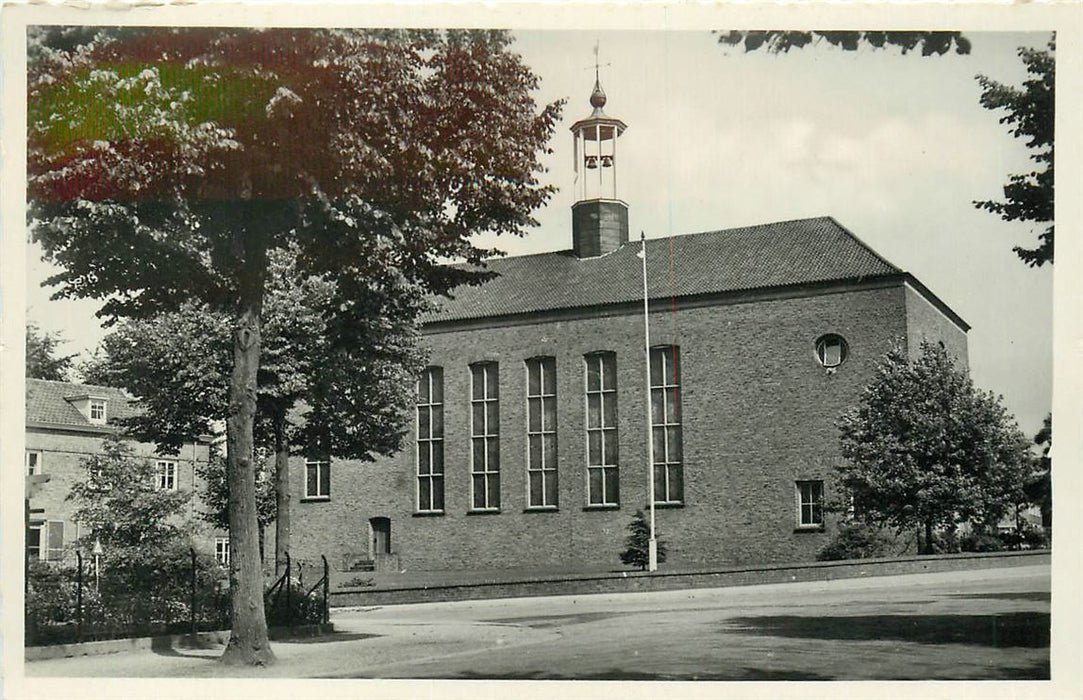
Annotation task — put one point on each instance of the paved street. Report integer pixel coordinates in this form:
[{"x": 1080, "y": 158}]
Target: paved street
[{"x": 991, "y": 624}]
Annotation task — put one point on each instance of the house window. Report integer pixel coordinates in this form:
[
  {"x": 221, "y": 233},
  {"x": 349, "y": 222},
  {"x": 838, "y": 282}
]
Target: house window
[
  {"x": 97, "y": 410},
  {"x": 221, "y": 550},
  {"x": 666, "y": 424},
  {"x": 54, "y": 543},
  {"x": 430, "y": 441},
  {"x": 485, "y": 435},
  {"x": 317, "y": 479},
  {"x": 810, "y": 504},
  {"x": 541, "y": 410},
  {"x": 603, "y": 484},
  {"x": 33, "y": 462},
  {"x": 34, "y": 540},
  {"x": 831, "y": 350},
  {"x": 165, "y": 478}
]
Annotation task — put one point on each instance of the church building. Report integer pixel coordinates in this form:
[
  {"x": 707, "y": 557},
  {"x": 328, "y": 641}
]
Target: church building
[{"x": 529, "y": 447}]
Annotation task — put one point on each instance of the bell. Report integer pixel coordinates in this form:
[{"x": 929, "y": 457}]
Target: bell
[
  {"x": 607, "y": 161},
  {"x": 592, "y": 162}
]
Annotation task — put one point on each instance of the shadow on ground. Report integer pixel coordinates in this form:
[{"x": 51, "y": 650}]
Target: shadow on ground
[
  {"x": 1037, "y": 596},
  {"x": 333, "y": 637},
  {"x": 1018, "y": 629},
  {"x": 617, "y": 674}
]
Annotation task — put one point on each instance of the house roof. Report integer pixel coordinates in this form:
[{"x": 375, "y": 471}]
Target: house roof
[
  {"x": 802, "y": 251},
  {"x": 50, "y": 402}
]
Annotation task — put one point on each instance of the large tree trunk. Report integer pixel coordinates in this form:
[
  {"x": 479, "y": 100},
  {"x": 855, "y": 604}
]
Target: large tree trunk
[
  {"x": 929, "y": 537},
  {"x": 248, "y": 643},
  {"x": 282, "y": 488}
]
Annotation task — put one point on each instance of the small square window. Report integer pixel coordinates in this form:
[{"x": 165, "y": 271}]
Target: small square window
[
  {"x": 97, "y": 410},
  {"x": 33, "y": 462},
  {"x": 221, "y": 550},
  {"x": 165, "y": 478},
  {"x": 317, "y": 479},
  {"x": 810, "y": 504}
]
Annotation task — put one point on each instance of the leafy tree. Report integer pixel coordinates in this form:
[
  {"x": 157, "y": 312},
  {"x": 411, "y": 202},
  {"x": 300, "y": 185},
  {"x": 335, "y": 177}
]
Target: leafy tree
[
  {"x": 119, "y": 504},
  {"x": 214, "y": 495},
  {"x": 925, "y": 449},
  {"x": 42, "y": 361},
  {"x": 929, "y": 43},
  {"x": 165, "y": 167},
  {"x": 351, "y": 380},
  {"x": 1039, "y": 489},
  {"x": 637, "y": 546},
  {"x": 1030, "y": 114}
]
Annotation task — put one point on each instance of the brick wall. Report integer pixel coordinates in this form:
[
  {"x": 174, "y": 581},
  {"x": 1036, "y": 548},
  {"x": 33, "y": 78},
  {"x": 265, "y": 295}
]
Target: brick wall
[
  {"x": 759, "y": 414},
  {"x": 63, "y": 453},
  {"x": 924, "y": 322}
]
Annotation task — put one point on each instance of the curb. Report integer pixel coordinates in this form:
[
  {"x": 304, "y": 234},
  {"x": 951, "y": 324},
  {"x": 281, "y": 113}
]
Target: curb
[
  {"x": 200, "y": 640},
  {"x": 623, "y": 582}
]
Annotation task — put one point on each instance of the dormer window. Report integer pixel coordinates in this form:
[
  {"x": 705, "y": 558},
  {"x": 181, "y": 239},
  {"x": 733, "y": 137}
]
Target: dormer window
[{"x": 97, "y": 410}]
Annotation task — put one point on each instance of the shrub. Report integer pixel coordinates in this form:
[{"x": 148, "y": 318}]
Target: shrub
[
  {"x": 637, "y": 546},
  {"x": 299, "y": 608},
  {"x": 856, "y": 540},
  {"x": 981, "y": 541}
]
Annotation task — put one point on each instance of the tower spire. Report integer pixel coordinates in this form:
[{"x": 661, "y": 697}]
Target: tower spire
[{"x": 599, "y": 217}]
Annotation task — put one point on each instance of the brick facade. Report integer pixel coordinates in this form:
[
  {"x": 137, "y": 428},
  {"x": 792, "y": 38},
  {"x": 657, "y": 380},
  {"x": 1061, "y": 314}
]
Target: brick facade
[
  {"x": 759, "y": 414},
  {"x": 62, "y": 449}
]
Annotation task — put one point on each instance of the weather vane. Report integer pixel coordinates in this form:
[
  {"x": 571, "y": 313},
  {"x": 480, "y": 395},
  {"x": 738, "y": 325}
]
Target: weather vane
[{"x": 598, "y": 65}]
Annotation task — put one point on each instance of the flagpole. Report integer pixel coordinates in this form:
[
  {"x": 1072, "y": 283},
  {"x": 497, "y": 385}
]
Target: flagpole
[{"x": 652, "y": 552}]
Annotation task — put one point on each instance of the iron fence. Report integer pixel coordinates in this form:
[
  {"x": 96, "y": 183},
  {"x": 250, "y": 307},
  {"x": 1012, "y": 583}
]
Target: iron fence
[{"x": 74, "y": 603}]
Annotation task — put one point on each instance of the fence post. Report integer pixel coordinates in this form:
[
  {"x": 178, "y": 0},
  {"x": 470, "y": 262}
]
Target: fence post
[
  {"x": 326, "y": 589},
  {"x": 289, "y": 610},
  {"x": 192, "y": 594},
  {"x": 79, "y": 597}
]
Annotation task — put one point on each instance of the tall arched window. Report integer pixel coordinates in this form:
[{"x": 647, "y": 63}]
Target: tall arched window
[
  {"x": 666, "y": 424},
  {"x": 603, "y": 468},
  {"x": 485, "y": 435},
  {"x": 541, "y": 431},
  {"x": 430, "y": 441}
]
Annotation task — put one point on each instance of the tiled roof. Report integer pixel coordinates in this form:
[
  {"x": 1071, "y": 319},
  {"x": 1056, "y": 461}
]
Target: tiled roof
[
  {"x": 48, "y": 402},
  {"x": 753, "y": 257}
]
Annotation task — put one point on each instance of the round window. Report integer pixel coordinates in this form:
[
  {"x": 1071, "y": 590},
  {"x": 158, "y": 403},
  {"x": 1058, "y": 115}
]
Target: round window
[{"x": 831, "y": 350}]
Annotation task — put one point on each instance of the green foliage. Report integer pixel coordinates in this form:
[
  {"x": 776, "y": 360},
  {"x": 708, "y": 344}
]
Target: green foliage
[
  {"x": 637, "y": 546},
  {"x": 925, "y": 448},
  {"x": 42, "y": 361},
  {"x": 929, "y": 43},
  {"x": 214, "y": 496},
  {"x": 297, "y": 608},
  {"x": 118, "y": 502},
  {"x": 1029, "y": 115},
  {"x": 857, "y": 540},
  {"x": 980, "y": 540},
  {"x": 138, "y": 592}
]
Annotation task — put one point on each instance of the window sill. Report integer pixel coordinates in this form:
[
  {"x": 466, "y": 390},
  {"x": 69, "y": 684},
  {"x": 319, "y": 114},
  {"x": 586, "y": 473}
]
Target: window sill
[
  {"x": 484, "y": 511},
  {"x": 541, "y": 509},
  {"x": 428, "y": 514},
  {"x": 808, "y": 528},
  {"x": 602, "y": 506},
  {"x": 315, "y": 499},
  {"x": 668, "y": 504}
]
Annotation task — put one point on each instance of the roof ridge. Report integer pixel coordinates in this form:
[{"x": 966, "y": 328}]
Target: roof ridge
[{"x": 80, "y": 385}]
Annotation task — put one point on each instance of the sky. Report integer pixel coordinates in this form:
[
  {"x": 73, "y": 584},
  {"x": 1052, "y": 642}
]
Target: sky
[{"x": 895, "y": 147}]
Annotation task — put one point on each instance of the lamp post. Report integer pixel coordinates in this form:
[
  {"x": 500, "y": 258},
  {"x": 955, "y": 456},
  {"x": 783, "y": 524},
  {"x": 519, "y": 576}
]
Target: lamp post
[{"x": 652, "y": 547}]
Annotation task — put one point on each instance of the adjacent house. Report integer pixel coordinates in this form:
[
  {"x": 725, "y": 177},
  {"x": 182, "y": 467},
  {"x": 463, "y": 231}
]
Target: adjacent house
[{"x": 65, "y": 423}]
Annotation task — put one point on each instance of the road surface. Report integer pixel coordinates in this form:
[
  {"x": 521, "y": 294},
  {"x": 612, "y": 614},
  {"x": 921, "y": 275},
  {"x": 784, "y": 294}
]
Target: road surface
[{"x": 989, "y": 624}]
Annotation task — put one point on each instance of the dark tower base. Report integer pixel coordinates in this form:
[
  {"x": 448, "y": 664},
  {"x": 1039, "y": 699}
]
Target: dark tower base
[{"x": 599, "y": 226}]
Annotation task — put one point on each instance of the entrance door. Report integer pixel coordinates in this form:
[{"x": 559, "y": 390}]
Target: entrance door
[{"x": 381, "y": 536}]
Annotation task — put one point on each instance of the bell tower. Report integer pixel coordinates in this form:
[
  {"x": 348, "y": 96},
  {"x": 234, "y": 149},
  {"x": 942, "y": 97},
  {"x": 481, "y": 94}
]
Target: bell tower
[{"x": 599, "y": 216}]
